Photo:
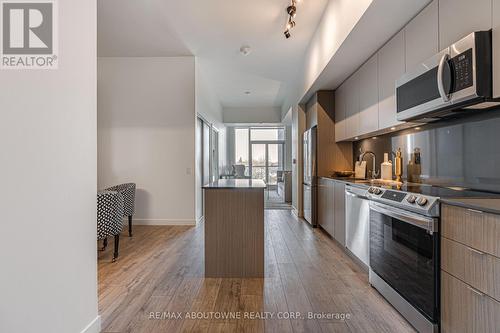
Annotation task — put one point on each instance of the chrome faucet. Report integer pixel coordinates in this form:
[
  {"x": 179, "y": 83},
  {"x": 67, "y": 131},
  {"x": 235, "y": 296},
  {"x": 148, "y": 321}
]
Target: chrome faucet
[{"x": 374, "y": 172}]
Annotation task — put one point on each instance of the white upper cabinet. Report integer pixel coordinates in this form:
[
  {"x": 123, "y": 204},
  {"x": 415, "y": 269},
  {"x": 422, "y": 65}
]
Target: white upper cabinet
[
  {"x": 458, "y": 18},
  {"x": 421, "y": 36},
  {"x": 391, "y": 65},
  {"x": 340, "y": 121},
  {"x": 352, "y": 106},
  {"x": 496, "y": 48},
  {"x": 368, "y": 96}
]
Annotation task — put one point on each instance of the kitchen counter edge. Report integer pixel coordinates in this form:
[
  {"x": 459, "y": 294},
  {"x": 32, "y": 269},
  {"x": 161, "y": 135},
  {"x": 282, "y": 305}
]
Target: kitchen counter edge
[
  {"x": 489, "y": 205},
  {"x": 236, "y": 184}
]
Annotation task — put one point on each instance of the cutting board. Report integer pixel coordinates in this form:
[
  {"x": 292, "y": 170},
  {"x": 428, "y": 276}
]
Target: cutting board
[{"x": 360, "y": 170}]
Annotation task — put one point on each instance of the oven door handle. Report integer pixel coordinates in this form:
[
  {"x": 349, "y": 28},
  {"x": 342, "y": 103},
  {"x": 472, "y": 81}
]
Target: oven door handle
[
  {"x": 440, "y": 82},
  {"x": 423, "y": 222}
]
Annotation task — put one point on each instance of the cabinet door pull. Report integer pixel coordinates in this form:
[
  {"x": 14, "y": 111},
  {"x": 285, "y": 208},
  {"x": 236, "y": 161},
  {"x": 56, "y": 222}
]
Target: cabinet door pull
[
  {"x": 475, "y": 251},
  {"x": 478, "y": 293}
]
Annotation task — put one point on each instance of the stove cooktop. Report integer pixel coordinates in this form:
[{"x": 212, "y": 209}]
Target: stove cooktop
[
  {"x": 440, "y": 191},
  {"x": 420, "y": 198}
]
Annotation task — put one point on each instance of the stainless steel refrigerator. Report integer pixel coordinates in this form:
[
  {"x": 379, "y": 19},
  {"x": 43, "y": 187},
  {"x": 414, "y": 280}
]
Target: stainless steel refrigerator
[{"x": 310, "y": 176}]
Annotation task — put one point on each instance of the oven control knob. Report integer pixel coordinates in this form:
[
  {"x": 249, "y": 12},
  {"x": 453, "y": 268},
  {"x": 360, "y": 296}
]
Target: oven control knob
[
  {"x": 411, "y": 199},
  {"x": 370, "y": 190},
  {"x": 422, "y": 201},
  {"x": 377, "y": 191}
]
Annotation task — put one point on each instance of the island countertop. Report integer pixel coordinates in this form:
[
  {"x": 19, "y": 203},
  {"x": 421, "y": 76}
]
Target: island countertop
[{"x": 236, "y": 184}]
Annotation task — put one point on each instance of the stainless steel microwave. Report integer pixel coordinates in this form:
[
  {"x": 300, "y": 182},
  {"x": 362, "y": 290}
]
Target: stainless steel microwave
[{"x": 456, "y": 79}]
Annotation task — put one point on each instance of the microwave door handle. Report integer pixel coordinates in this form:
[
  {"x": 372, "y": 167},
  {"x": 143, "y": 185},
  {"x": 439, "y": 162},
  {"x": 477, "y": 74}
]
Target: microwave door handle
[{"x": 440, "y": 82}]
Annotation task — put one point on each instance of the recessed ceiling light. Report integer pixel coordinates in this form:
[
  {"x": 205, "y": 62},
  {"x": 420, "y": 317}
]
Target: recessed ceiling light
[
  {"x": 356, "y": 138},
  {"x": 374, "y": 138},
  {"x": 417, "y": 128},
  {"x": 393, "y": 128},
  {"x": 245, "y": 50}
]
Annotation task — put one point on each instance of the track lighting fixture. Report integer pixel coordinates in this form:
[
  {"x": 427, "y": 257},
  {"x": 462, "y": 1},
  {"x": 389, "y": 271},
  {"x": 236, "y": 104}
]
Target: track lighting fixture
[{"x": 292, "y": 12}]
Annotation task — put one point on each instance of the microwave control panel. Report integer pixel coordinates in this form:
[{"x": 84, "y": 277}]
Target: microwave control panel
[{"x": 462, "y": 67}]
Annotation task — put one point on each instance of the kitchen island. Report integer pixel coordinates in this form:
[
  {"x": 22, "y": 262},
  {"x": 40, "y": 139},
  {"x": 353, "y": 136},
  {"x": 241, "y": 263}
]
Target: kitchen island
[{"x": 234, "y": 228}]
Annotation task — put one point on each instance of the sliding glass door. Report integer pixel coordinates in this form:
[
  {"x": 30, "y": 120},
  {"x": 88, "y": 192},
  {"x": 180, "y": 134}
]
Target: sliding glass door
[
  {"x": 274, "y": 162},
  {"x": 266, "y": 160}
]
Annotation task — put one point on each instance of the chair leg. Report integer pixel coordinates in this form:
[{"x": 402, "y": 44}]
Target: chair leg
[
  {"x": 104, "y": 244},
  {"x": 130, "y": 226},
  {"x": 117, "y": 244}
]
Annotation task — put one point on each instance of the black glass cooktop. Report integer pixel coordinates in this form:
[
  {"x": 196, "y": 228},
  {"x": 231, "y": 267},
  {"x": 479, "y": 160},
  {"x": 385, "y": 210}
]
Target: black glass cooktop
[{"x": 442, "y": 191}]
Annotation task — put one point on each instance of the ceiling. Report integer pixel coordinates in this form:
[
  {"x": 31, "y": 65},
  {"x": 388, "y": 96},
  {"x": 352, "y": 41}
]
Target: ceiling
[{"x": 214, "y": 31}]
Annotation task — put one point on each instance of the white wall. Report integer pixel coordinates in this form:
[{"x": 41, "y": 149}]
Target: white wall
[
  {"x": 48, "y": 279},
  {"x": 340, "y": 44},
  {"x": 339, "y": 18},
  {"x": 210, "y": 109},
  {"x": 146, "y": 134},
  {"x": 253, "y": 115}
]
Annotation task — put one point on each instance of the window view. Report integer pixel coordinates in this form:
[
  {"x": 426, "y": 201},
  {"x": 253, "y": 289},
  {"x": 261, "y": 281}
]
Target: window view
[
  {"x": 265, "y": 158},
  {"x": 241, "y": 142},
  {"x": 267, "y": 134}
]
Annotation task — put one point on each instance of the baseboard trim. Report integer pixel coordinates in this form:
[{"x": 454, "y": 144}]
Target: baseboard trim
[
  {"x": 296, "y": 212},
  {"x": 163, "y": 222},
  {"x": 94, "y": 326}
]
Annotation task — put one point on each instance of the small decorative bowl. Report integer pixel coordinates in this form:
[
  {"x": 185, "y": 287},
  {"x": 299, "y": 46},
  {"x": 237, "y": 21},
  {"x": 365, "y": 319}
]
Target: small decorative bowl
[{"x": 343, "y": 173}]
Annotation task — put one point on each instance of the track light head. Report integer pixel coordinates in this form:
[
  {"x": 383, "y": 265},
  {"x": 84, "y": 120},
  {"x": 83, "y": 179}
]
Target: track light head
[
  {"x": 287, "y": 34},
  {"x": 291, "y": 10}
]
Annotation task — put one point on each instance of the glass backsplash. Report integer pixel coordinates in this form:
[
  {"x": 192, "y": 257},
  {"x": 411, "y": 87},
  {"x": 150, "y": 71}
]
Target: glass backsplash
[{"x": 464, "y": 152}]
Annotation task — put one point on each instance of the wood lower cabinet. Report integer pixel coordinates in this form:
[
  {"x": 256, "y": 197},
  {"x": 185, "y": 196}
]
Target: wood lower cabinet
[
  {"x": 464, "y": 309},
  {"x": 470, "y": 271},
  {"x": 473, "y": 228},
  {"x": 476, "y": 268},
  {"x": 325, "y": 205},
  {"x": 331, "y": 208}
]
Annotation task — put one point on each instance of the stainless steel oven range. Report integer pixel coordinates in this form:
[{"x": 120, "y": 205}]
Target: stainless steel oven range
[{"x": 404, "y": 253}]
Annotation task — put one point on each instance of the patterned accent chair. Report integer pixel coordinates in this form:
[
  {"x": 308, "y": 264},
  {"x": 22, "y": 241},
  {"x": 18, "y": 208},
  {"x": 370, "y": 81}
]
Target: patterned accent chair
[
  {"x": 128, "y": 192},
  {"x": 109, "y": 218}
]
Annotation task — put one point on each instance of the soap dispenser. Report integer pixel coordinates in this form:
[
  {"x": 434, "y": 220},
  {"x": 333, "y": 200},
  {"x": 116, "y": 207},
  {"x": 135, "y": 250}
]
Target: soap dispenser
[{"x": 386, "y": 168}]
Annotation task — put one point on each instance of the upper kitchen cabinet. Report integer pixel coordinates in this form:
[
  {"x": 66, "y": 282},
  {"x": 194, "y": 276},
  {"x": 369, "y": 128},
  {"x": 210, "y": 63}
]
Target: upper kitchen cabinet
[
  {"x": 496, "y": 48},
  {"x": 391, "y": 65},
  {"x": 421, "y": 36},
  {"x": 368, "y": 96},
  {"x": 340, "y": 105},
  {"x": 458, "y": 18},
  {"x": 352, "y": 106}
]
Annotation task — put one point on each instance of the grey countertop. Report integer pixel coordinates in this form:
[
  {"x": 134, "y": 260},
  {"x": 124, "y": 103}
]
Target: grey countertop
[
  {"x": 349, "y": 180},
  {"x": 236, "y": 184},
  {"x": 487, "y": 205},
  {"x": 490, "y": 203}
]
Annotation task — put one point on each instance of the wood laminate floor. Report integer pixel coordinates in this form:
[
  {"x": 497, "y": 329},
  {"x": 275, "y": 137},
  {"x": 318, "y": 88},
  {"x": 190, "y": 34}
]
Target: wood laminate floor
[{"x": 160, "y": 274}]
